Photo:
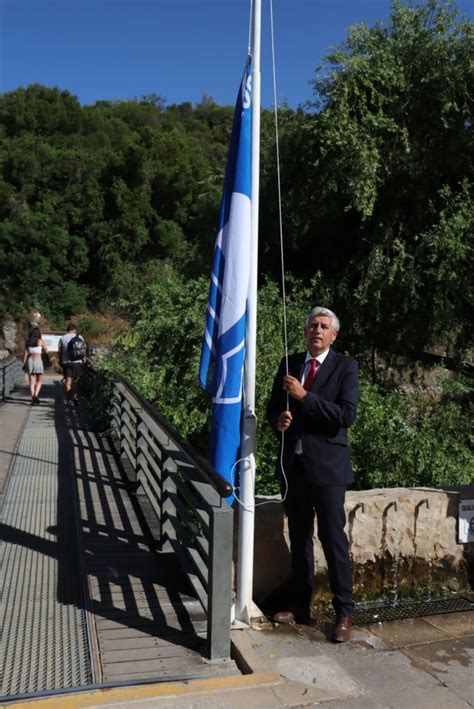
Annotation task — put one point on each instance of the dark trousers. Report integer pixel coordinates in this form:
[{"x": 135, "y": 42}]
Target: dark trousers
[{"x": 303, "y": 500}]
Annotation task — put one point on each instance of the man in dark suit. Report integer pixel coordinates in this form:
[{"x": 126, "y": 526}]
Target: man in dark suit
[{"x": 313, "y": 402}]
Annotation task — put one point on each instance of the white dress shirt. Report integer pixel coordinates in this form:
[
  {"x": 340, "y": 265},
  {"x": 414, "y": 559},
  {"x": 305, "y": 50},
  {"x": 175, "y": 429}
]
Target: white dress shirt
[{"x": 307, "y": 366}]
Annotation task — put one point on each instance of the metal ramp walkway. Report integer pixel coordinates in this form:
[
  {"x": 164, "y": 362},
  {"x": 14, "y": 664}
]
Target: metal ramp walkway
[{"x": 87, "y": 599}]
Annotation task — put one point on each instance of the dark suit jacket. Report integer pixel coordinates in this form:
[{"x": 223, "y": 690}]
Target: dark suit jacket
[{"x": 321, "y": 419}]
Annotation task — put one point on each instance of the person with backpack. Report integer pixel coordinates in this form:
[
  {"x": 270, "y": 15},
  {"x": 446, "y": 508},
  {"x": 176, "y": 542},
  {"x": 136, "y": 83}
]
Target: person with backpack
[{"x": 72, "y": 355}]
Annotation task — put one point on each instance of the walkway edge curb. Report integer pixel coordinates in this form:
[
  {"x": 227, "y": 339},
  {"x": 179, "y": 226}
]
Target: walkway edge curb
[{"x": 97, "y": 697}]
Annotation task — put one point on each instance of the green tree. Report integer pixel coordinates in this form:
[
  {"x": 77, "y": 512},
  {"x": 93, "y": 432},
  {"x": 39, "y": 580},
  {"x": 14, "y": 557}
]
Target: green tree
[
  {"x": 377, "y": 181},
  {"x": 90, "y": 195},
  {"x": 41, "y": 257},
  {"x": 395, "y": 440}
]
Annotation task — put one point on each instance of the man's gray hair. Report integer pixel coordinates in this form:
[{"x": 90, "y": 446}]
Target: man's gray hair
[{"x": 327, "y": 313}]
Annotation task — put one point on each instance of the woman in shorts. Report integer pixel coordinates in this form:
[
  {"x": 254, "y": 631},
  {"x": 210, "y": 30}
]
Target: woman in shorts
[{"x": 33, "y": 363}]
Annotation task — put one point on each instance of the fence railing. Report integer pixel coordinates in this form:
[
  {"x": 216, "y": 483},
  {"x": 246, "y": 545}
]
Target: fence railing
[
  {"x": 11, "y": 374},
  {"x": 187, "y": 496}
]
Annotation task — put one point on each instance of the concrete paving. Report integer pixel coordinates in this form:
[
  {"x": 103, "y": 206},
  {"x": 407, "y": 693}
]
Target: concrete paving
[{"x": 425, "y": 663}]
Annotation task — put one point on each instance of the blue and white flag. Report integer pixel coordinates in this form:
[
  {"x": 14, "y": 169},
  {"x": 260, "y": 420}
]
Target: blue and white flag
[{"x": 223, "y": 349}]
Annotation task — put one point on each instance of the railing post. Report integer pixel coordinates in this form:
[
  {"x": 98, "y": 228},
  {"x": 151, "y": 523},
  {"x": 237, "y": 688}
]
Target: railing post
[
  {"x": 121, "y": 421},
  {"x": 10, "y": 376},
  {"x": 168, "y": 507},
  {"x": 128, "y": 465},
  {"x": 136, "y": 465},
  {"x": 20, "y": 372},
  {"x": 139, "y": 444},
  {"x": 220, "y": 583},
  {"x": 117, "y": 418}
]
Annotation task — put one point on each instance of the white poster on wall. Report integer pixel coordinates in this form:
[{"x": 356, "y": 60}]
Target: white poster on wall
[
  {"x": 51, "y": 342},
  {"x": 466, "y": 521}
]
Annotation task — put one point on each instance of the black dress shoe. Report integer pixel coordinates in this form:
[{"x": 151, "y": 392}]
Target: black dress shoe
[
  {"x": 297, "y": 615},
  {"x": 343, "y": 629},
  {"x": 284, "y": 617}
]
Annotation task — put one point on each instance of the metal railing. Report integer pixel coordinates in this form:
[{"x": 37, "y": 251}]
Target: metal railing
[
  {"x": 187, "y": 496},
  {"x": 11, "y": 374}
]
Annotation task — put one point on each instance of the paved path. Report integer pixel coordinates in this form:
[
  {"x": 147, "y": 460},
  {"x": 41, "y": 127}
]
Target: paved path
[
  {"x": 44, "y": 641},
  {"x": 425, "y": 663},
  {"x": 88, "y": 599},
  {"x": 13, "y": 414}
]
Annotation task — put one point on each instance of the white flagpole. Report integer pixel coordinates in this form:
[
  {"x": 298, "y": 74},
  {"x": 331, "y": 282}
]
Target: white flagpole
[{"x": 247, "y": 467}]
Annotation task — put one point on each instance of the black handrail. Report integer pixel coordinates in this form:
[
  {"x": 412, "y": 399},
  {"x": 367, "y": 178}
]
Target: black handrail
[
  {"x": 8, "y": 360},
  {"x": 184, "y": 493},
  {"x": 222, "y": 486},
  {"x": 10, "y": 375}
]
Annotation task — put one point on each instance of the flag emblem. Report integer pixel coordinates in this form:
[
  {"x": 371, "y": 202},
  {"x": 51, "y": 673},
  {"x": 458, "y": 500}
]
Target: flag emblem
[{"x": 223, "y": 348}]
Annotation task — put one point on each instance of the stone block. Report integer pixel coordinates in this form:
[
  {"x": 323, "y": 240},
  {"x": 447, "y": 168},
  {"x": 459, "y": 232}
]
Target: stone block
[
  {"x": 10, "y": 334},
  {"x": 404, "y": 537}
]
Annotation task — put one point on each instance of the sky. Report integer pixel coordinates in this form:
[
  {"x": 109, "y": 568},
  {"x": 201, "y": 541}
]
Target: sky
[{"x": 179, "y": 49}]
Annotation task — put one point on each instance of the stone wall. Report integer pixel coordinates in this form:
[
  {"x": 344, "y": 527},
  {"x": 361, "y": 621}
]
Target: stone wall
[
  {"x": 404, "y": 538},
  {"x": 13, "y": 334},
  {"x": 8, "y": 338}
]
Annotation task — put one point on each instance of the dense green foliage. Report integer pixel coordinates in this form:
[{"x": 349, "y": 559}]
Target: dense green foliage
[
  {"x": 412, "y": 440},
  {"x": 116, "y": 203},
  {"x": 383, "y": 197},
  {"x": 90, "y": 195},
  {"x": 396, "y": 440}
]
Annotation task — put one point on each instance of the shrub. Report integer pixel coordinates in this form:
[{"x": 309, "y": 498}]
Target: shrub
[
  {"x": 395, "y": 440},
  {"x": 415, "y": 439},
  {"x": 90, "y": 328}
]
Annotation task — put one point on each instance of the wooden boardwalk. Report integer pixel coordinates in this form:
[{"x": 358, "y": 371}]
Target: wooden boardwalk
[{"x": 138, "y": 615}]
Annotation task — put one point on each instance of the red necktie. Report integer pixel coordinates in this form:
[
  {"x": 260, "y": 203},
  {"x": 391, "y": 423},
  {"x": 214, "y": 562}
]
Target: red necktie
[{"x": 309, "y": 379}]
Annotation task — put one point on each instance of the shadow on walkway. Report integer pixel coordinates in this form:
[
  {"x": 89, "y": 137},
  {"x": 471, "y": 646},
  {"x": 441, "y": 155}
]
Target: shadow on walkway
[{"x": 138, "y": 604}]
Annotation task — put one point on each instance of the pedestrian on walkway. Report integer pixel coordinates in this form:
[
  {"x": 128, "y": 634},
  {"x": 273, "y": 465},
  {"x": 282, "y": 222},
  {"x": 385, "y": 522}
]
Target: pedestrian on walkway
[
  {"x": 314, "y": 401},
  {"x": 33, "y": 363},
  {"x": 72, "y": 355}
]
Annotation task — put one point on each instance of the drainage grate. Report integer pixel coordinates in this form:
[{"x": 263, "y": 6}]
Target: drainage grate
[{"x": 377, "y": 611}]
